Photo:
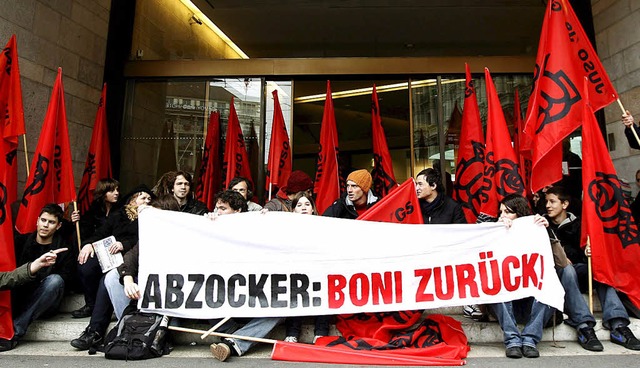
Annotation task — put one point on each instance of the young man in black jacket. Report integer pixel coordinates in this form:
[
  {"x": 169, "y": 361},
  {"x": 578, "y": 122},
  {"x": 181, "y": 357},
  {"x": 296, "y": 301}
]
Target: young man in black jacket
[
  {"x": 436, "y": 206},
  {"x": 43, "y": 295},
  {"x": 358, "y": 198}
]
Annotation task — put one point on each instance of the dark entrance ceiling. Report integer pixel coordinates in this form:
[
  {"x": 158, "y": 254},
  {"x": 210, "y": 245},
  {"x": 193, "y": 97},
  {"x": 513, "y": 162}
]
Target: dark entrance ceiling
[{"x": 378, "y": 28}]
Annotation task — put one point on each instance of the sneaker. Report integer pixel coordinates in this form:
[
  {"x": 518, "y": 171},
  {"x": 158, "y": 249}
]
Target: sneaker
[
  {"x": 530, "y": 351},
  {"x": 588, "y": 339},
  {"x": 473, "y": 312},
  {"x": 220, "y": 351},
  {"x": 83, "y": 312},
  {"x": 6, "y": 345},
  {"x": 623, "y": 336},
  {"x": 87, "y": 340},
  {"x": 290, "y": 339},
  {"x": 514, "y": 352}
]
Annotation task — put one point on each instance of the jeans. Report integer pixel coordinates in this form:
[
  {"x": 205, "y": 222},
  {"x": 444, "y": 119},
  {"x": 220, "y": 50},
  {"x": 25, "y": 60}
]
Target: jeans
[
  {"x": 256, "y": 327},
  {"x": 531, "y": 335},
  {"x": 116, "y": 292},
  {"x": 90, "y": 275},
  {"x": 614, "y": 313},
  {"x": 294, "y": 325},
  {"x": 45, "y": 300},
  {"x": 574, "y": 304},
  {"x": 101, "y": 315}
]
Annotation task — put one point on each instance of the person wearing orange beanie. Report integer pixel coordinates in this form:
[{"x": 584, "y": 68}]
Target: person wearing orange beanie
[{"x": 358, "y": 198}]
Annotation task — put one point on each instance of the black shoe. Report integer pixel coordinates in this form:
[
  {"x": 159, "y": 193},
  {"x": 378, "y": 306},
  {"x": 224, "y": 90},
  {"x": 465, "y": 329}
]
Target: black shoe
[
  {"x": 514, "y": 352},
  {"x": 623, "y": 336},
  {"x": 6, "y": 345},
  {"x": 83, "y": 312},
  {"x": 86, "y": 340},
  {"x": 588, "y": 339},
  {"x": 530, "y": 351}
]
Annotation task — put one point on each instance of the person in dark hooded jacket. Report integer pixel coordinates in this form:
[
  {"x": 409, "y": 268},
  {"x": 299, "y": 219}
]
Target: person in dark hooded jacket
[
  {"x": 436, "y": 207},
  {"x": 358, "y": 198}
]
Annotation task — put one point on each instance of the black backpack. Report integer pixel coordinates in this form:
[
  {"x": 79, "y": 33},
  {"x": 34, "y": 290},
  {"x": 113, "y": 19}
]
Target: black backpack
[{"x": 137, "y": 336}]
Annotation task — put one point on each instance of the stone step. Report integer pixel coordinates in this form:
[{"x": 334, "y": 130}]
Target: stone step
[{"x": 64, "y": 328}]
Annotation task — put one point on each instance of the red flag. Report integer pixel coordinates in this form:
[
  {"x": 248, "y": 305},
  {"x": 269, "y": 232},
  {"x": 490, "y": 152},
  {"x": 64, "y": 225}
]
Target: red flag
[
  {"x": 210, "y": 169},
  {"x": 279, "y": 164},
  {"x": 387, "y": 339},
  {"x": 384, "y": 181},
  {"x": 565, "y": 57},
  {"x": 467, "y": 190},
  {"x": 400, "y": 206},
  {"x": 12, "y": 117},
  {"x": 236, "y": 158},
  {"x": 327, "y": 184},
  {"x": 51, "y": 176},
  {"x": 501, "y": 176},
  {"x": 11, "y": 125},
  {"x": 606, "y": 215},
  {"x": 521, "y": 144},
  {"x": 455, "y": 125},
  {"x": 98, "y": 164}
]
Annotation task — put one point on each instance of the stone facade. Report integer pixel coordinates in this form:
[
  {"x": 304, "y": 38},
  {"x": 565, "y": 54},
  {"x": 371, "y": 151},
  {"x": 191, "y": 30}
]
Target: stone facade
[
  {"x": 71, "y": 34},
  {"x": 617, "y": 26}
]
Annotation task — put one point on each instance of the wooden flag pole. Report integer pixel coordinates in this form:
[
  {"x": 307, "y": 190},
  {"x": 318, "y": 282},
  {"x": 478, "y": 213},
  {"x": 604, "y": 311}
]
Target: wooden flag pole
[
  {"x": 26, "y": 154},
  {"x": 75, "y": 208},
  {"x": 217, "y": 325},
  {"x": 590, "y": 275},
  {"x": 633, "y": 129},
  {"x": 220, "y": 334}
]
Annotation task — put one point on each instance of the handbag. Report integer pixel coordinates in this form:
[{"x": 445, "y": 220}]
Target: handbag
[{"x": 559, "y": 256}]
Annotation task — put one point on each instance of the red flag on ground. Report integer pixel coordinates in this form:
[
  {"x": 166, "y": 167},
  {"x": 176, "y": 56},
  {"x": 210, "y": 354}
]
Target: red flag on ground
[
  {"x": 12, "y": 117},
  {"x": 51, "y": 176},
  {"x": 501, "y": 176},
  {"x": 384, "y": 181},
  {"x": 327, "y": 183},
  {"x": 400, "y": 206},
  {"x": 565, "y": 57},
  {"x": 521, "y": 144},
  {"x": 279, "y": 163},
  {"x": 98, "y": 164},
  {"x": 606, "y": 215},
  {"x": 388, "y": 339},
  {"x": 467, "y": 190},
  {"x": 236, "y": 158},
  {"x": 210, "y": 168}
]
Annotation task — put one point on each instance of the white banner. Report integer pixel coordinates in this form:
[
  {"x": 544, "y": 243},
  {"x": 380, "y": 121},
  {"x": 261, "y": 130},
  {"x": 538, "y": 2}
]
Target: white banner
[{"x": 284, "y": 264}]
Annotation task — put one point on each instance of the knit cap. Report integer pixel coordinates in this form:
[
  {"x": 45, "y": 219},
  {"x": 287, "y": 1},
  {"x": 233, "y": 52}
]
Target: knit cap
[
  {"x": 362, "y": 178},
  {"x": 298, "y": 181}
]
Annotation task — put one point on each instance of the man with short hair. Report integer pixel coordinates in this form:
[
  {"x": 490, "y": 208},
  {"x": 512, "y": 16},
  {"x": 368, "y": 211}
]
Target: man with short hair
[
  {"x": 244, "y": 187},
  {"x": 43, "y": 295},
  {"x": 358, "y": 198},
  {"x": 565, "y": 227},
  {"x": 298, "y": 181},
  {"x": 230, "y": 202},
  {"x": 436, "y": 206},
  {"x": 179, "y": 183}
]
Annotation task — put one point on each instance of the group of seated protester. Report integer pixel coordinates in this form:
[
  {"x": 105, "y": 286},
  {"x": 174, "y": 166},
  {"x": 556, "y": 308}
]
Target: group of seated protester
[{"x": 46, "y": 268}]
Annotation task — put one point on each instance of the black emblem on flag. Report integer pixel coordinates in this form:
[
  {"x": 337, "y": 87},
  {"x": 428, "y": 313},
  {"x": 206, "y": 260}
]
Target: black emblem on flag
[
  {"x": 613, "y": 208},
  {"x": 469, "y": 192},
  {"x": 559, "y": 98},
  {"x": 39, "y": 179}
]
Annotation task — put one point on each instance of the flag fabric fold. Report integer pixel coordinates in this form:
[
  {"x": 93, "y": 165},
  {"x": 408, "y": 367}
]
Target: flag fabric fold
[
  {"x": 236, "y": 158},
  {"x": 606, "y": 215},
  {"x": 98, "y": 164},
  {"x": 327, "y": 183},
  {"x": 51, "y": 176},
  {"x": 384, "y": 181},
  {"x": 210, "y": 168},
  {"x": 467, "y": 189},
  {"x": 501, "y": 177},
  {"x": 521, "y": 144},
  {"x": 12, "y": 117},
  {"x": 565, "y": 57},
  {"x": 400, "y": 206},
  {"x": 279, "y": 162},
  {"x": 394, "y": 338}
]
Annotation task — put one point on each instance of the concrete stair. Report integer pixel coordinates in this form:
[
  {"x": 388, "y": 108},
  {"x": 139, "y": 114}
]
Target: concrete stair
[{"x": 63, "y": 328}]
